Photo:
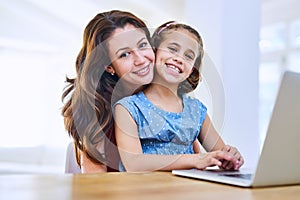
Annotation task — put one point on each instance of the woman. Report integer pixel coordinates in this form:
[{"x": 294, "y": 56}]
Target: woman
[{"x": 116, "y": 59}]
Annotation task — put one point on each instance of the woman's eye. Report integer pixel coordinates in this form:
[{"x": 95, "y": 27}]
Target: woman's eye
[
  {"x": 125, "y": 54},
  {"x": 143, "y": 44}
]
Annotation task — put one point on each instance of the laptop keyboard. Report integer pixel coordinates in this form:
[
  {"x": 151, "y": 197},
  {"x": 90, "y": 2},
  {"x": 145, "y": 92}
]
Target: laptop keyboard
[{"x": 236, "y": 175}]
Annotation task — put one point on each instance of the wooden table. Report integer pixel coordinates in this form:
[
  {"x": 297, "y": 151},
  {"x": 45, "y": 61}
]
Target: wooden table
[{"x": 157, "y": 185}]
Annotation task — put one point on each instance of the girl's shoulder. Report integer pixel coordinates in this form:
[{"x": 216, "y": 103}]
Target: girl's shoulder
[
  {"x": 189, "y": 98},
  {"x": 193, "y": 102},
  {"x": 132, "y": 102},
  {"x": 131, "y": 98}
]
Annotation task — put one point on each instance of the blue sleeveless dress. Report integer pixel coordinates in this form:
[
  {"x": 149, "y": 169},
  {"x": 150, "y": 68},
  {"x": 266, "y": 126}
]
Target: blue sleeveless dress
[{"x": 162, "y": 132}]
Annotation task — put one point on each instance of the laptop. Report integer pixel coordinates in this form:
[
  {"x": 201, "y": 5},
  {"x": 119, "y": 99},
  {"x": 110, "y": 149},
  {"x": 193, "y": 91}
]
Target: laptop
[{"x": 279, "y": 162}]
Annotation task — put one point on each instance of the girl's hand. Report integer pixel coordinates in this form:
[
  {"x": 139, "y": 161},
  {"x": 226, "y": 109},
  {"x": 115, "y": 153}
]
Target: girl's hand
[
  {"x": 239, "y": 161},
  {"x": 214, "y": 158}
]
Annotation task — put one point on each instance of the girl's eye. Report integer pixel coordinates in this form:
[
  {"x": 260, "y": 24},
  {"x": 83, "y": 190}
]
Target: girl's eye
[
  {"x": 189, "y": 56},
  {"x": 172, "y": 49},
  {"x": 125, "y": 54}
]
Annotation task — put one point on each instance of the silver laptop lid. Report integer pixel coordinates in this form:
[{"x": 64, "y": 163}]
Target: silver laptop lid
[{"x": 280, "y": 160}]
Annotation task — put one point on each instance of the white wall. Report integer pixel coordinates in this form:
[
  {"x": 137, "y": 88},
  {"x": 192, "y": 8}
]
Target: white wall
[{"x": 230, "y": 30}]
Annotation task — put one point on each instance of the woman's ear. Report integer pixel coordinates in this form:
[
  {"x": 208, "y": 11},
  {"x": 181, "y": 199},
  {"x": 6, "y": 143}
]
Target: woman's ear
[{"x": 110, "y": 70}]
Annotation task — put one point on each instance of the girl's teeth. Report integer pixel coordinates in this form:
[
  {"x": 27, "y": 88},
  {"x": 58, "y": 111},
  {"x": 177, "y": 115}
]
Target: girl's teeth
[{"x": 175, "y": 68}]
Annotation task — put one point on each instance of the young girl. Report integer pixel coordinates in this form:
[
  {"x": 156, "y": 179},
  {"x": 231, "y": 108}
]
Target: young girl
[{"x": 158, "y": 128}]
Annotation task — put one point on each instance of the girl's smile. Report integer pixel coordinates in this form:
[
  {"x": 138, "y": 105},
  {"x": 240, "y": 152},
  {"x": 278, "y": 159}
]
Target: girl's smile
[{"x": 175, "y": 57}]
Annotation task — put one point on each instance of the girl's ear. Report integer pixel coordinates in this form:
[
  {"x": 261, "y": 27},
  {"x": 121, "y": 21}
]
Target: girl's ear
[
  {"x": 193, "y": 69},
  {"x": 110, "y": 69}
]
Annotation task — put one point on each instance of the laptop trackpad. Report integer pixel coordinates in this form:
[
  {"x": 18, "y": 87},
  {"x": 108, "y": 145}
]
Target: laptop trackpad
[
  {"x": 233, "y": 174},
  {"x": 237, "y": 175}
]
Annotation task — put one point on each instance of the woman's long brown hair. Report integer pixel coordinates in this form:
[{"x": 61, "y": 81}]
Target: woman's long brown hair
[{"x": 87, "y": 110}]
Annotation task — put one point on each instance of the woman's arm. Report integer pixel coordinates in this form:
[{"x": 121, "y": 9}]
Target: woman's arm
[
  {"x": 89, "y": 166},
  {"x": 134, "y": 160}
]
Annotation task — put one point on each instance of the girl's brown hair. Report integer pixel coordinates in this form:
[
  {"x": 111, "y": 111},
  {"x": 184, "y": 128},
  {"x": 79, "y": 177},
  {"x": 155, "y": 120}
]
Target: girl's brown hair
[{"x": 158, "y": 36}]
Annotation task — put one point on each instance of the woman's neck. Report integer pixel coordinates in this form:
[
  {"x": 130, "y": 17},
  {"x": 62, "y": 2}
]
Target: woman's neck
[{"x": 123, "y": 89}]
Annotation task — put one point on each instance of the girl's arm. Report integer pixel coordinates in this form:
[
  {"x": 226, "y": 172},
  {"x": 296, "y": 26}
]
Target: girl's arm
[
  {"x": 209, "y": 137},
  {"x": 197, "y": 146},
  {"x": 134, "y": 160},
  {"x": 212, "y": 141}
]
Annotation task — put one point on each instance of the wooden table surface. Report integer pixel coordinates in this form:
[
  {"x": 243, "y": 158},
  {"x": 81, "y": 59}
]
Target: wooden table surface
[{"x": 131, "y": 186}]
